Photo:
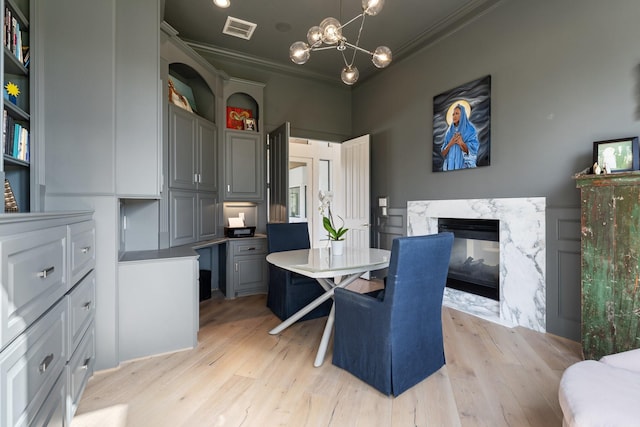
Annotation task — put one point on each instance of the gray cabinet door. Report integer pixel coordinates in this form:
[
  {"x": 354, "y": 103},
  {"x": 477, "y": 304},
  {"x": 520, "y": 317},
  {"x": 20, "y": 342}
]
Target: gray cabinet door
[
  {"x": 247, "y": 271},
  {"x": 244, "y": 156},
  {"x": 182, "y": 224},
  {"x": 182, "y": 149},
  {"x": 207, "y": 215},
  {"x": 207, "y": 156}
]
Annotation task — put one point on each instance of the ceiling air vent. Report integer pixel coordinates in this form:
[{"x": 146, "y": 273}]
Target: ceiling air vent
[{"x": 238, "y": 28}]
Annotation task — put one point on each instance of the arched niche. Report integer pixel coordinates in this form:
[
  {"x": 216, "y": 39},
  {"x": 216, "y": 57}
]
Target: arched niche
[
  {"x": 241, "y": 101},
  {"x": 199, "y": 94}
]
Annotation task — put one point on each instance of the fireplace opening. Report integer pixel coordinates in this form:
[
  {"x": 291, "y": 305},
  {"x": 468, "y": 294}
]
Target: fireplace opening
[{"x": 475, "y": 256}]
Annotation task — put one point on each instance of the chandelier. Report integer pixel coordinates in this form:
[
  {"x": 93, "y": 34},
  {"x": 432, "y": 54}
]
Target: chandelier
[{"x": 328, "y": 35}]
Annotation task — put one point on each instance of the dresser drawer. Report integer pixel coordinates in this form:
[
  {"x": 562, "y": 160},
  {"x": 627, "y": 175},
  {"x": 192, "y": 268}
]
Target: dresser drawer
[
  {"x": 82, "y": 240},
  {"x": 250, "y": 247},
  {"x": 34, "y": 277},
  {"x": 30, "y": 366},
  {"x": 54, "y": 409},
  {"x": 79, "y": 370},
  {"x": 81, "y": 308}
]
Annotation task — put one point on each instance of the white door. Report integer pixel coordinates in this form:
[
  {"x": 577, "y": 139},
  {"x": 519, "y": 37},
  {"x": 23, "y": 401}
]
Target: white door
[{"x": 354, "y": 160}]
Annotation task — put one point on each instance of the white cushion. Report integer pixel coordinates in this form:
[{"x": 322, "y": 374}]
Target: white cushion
[
  {"x": 595, "y": 394},
  {"x": 627, "y": 359}
]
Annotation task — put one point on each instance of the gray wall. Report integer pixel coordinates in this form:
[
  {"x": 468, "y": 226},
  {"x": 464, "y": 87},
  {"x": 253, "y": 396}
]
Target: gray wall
[{"x": 564, "y": 74}]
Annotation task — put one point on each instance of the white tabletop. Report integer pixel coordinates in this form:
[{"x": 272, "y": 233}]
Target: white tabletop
[{"x": 318, "y": 263}]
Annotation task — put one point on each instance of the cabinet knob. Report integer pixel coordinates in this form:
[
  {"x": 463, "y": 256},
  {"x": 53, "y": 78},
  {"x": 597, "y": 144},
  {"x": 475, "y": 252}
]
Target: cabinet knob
[
  {"x": 46, "y": 272},
  {"x": 45, "y": 363},
  {"x": 85, "y": 249},
  {"x": 86, "y": 305},
  {"x": 85, "y": 365}
]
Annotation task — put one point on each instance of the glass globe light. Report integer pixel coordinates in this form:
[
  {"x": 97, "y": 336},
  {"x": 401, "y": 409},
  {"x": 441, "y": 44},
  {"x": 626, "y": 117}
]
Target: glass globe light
[
  {"x": 222, "y": 3},
  {"x": 299, "y": 52},
  {"x": 372, "y": 7},
  {"x": 331, "y": 30},
  {"x": 314, "y": 36},
  {"x": 349, "y": 75},
  {"x": 381, "y": 57}
]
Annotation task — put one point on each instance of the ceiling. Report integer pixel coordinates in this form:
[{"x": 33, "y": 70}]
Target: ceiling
[{"x": 402, "y": 25}]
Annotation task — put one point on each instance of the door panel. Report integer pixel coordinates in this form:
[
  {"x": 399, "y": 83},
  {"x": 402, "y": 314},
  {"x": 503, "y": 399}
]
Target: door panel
[
  {"x": 356, "y": 196},
  {"x": 278, "y": 199}
]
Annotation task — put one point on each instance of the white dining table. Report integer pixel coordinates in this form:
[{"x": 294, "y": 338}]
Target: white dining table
[{"x": 331, "y": 272}]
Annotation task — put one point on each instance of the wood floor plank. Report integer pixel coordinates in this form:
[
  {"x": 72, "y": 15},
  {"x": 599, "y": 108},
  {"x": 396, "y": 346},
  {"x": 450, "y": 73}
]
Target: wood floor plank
[{"x": 239, "y": 375}]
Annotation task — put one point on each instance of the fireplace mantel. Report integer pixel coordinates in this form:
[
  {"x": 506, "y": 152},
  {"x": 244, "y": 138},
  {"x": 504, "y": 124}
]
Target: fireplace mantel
[{"x": 522, "y": 255}]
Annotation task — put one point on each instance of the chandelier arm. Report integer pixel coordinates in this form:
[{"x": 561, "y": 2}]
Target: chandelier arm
[
  {"x": 344, "y": 58},
  {"x": 313, "y": 49},
  {"x": 354, "y": 47},
  {"x": 351, "y": 20}
]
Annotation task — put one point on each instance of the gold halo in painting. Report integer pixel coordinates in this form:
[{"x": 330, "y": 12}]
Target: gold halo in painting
[{"x": 465, "y": 104}]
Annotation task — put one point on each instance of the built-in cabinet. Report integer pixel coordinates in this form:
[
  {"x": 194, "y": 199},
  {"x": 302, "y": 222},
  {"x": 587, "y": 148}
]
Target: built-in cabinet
[
  {"x": 244, "y": 147},
  {"x": 193, "y": 151},
  {"x": 610, "y": 251},
  {"x": 193, "y": 197},
  {"x": 244, "y": 159},
  {"x": 18, "y": 145},
  {"x": 246, "y": 267},
  {"x": 47, "y": 310}
]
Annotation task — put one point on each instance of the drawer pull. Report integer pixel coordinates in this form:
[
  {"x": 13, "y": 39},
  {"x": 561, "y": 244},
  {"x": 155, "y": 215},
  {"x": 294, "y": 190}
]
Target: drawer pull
[
  {"x": 86, "y": 305},
  {"x": 45, "y": 363},
  {"x": 85, "y": 365},
  {"x": 249, "y": 249},
  {"x": 46, "y": 272},
  {"x": 86, "y": 249}
]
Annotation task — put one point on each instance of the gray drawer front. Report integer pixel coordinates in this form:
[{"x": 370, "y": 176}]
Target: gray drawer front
[
  {"x": 80, "y": 369},
  {"x": 30, "y": 366},
  {"x": 83, "y": 249},
  {"x": 250, "y": 247},
  {"x": 53, "y": 412},
  {"x": 82, "y": 308},
  {"x": 33, "y": 278}
]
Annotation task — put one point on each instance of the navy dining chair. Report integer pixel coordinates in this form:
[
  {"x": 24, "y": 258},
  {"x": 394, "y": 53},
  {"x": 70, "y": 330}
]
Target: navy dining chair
[
  {"x": 289, "y": 292},
  {"x": 395, "y": 341}
]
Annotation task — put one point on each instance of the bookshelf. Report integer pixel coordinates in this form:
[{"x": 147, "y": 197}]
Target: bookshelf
[{"x": 17, "y": 150}]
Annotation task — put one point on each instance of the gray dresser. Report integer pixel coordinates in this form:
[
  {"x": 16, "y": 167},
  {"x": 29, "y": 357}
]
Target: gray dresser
[{"x": 47, "y": 308}]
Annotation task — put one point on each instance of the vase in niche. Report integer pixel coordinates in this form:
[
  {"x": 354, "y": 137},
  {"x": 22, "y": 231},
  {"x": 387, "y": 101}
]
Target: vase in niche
[{"x": 337, "y": 247}]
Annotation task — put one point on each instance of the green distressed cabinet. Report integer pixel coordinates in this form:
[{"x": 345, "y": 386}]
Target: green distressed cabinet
[{"x": 610, "y": 245}]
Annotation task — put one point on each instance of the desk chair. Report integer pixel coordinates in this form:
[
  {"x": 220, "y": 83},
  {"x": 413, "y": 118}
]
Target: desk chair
[
  {"x": 289, "y": 292},
  {"x": 395, "y": 341}
]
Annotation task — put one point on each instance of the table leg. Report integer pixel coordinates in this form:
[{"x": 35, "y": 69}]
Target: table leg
[
  {"x": 302, "y": 312},
  {"x": 324, "y": 341}
]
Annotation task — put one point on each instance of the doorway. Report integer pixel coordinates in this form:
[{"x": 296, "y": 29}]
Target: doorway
[{"x": 300, "y": 168}]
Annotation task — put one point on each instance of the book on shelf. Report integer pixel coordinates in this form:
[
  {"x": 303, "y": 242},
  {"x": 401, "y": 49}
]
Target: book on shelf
[
  {"x": 15, "y": 139},
  {"x": 13, "y": 35}
]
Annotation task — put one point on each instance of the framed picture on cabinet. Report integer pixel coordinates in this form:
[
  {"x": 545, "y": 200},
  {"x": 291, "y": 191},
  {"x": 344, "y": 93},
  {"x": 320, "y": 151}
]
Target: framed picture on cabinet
[
  {"x": 250, "y": 124},
  {"x": 236, "y": 117},
  {"x": 617, "y": 155}
]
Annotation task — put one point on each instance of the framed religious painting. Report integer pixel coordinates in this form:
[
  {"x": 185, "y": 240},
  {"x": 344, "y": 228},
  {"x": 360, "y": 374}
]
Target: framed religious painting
[{"x": 462, "y": 127}]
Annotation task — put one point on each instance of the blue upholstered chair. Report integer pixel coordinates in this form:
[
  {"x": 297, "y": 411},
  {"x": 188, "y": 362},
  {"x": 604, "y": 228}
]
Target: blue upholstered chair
[
  {"x": 395, "y": 341},
  {"x": 289, "y": 292}
]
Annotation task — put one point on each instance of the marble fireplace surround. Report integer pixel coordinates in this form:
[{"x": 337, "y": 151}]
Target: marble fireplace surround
[{"x": 522, "y": 255}]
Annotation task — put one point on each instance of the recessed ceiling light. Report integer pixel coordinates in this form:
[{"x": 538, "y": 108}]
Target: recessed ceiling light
[{"x": 222, "y": 3}]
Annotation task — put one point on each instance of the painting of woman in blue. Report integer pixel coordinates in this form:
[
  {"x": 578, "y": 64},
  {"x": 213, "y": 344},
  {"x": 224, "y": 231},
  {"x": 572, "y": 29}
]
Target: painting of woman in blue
[
  {"x": 460, "y": 146},
  {"x": 462, "y": 127}
]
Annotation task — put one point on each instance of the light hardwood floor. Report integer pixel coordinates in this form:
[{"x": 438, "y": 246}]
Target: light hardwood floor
[{"x": 239, "y": 375}]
